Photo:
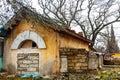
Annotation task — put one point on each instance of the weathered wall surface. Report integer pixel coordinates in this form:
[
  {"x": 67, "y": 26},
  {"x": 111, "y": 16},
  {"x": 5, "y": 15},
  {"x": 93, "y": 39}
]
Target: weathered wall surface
[
  {"x": 93, "y": 60},
  {"x": 77, "y": 59},
  {"x": 49, "y": 57},
  {"x": 27, "y": 63},
  {"x": 72, "y": 42},
  {"x": 78, "y": 63}
]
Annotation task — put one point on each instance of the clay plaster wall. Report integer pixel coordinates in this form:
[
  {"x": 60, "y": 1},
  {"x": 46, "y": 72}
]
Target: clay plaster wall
[
  {"x": 49, "y": 57},
  {"x": 72, "y": 42}
]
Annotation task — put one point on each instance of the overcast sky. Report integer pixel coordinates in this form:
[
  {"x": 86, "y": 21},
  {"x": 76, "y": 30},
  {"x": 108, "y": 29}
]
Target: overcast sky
[{"x": 77, "y": 29}]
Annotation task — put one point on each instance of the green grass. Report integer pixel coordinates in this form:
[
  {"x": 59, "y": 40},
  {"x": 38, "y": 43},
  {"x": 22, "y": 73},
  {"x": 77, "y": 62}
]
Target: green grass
[{"x": 111, "y": 73}]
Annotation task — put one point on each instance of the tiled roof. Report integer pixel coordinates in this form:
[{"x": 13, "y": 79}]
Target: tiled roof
[{"x": 23, "y": 12}]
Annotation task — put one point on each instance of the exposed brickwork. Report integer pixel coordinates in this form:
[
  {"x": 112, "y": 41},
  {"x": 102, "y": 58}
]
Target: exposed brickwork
[
  {"x": 77, "y": 59},
  {"x": 28, "y": 63},
  {"x": 77, "y": 63}
]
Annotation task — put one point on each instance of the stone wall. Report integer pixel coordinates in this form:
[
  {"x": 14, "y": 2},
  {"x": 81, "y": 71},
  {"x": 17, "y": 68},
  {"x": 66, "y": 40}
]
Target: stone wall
[
  {"x": 77, "y": 60},
  {"x": 77, "y": 63}
]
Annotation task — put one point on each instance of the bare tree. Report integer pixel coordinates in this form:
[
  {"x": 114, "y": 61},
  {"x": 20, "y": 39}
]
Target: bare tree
[
  {"x": 5, "y": 11},
  {"x": 90, "y": 15},
  {"x": 107, "y": 42},
  {"x": 112, "y": 46}
]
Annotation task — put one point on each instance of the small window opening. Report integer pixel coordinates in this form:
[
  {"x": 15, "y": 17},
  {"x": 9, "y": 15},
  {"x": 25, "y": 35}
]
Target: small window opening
[{"x": 28, "y": 44}]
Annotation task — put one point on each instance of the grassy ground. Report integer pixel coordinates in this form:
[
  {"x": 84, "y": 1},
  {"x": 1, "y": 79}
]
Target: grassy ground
[
  {"x": 109, "y": 73},
  {"x": 101, "y": 74}
]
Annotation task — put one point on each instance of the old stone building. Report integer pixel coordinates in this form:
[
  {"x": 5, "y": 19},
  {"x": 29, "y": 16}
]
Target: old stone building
[{"x": 31, "y": 47}]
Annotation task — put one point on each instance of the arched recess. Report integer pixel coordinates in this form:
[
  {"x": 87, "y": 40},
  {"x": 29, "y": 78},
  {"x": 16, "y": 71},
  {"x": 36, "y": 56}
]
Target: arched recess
[
  {"x": 28, "y": 44},
  {"x": 28, "y": 35}
]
